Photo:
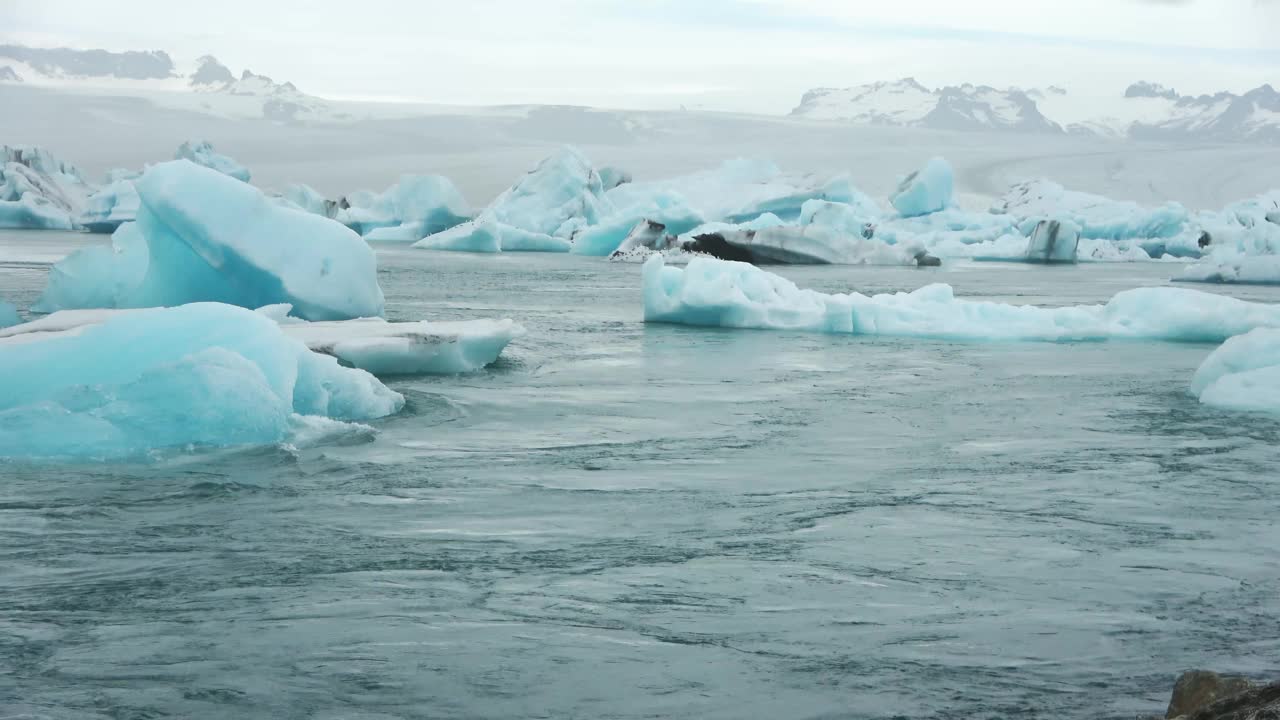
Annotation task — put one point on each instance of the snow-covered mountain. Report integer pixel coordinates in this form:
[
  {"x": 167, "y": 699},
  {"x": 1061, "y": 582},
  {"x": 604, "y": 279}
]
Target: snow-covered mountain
[
  {"x": 1146, "y": 111},
  {"x": 1224, "y": 116},
  {"x": 220, "y": 91},
  {"x": 907, "y": 103}
]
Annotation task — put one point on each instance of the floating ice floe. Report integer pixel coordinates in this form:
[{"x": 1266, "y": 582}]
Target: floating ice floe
[
  {"x": 730, "y": 294},
  {"x": 201, "y": 153},
  {"x": 200, "y": 375},
  {"x": 371, "y": 344},
  {"x": 201, "y": 236},
  {"x": 1242, "y": 374},
  {"x": 541, "y": 212},
  {"x": 39, "y": 191}
]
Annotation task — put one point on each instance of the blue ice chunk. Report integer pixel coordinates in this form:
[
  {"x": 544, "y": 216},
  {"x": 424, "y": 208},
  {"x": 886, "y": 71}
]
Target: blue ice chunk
[
  {"x": 488, "y": 236},
  {"x": 667, "y": 209},
  {"x": 1154, "y": 228},
  {"x": 98, "y": 276},
  {"x": 204, "y": 374},
  {"x": 562, "y": 188},
  {"x": 788, "y": 203},
  {"x": 37, "y": 190},
  {"x": 840, "y": 216},
  {"x": 1243, "y": 374},
  {"x": 110, "y": 207},
  {"x": 305, "y": 197},
  {"x": 719, "y": 293},
  {"x": 201, "y": 152},
  {"x": 612, "y": 177},
  {"x": 210, "y": 238},
  {"x": 925, "y": 191},
  {"x": 33, "y": 211},
  {"x": 8, "y": 315},
  {"x": 418, "y": 204},
  {"x": 1054, "y": 241}
]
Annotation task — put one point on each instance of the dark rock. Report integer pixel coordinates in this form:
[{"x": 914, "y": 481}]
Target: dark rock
[
  {"x": 1205, "y": 239},
  {"x": 1199, "y": 691},
  {"x": 924, "y": 259}
]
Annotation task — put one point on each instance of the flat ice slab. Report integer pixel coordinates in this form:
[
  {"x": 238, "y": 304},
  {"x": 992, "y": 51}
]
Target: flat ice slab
[
  {"x": 732, "y": 294},
  {"x": 408, "y": 348},
  {"x": 372, "y": 344}
]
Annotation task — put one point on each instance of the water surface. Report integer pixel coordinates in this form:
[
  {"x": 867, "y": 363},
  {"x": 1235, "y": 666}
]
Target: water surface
[{"x": 631, "y": 521}]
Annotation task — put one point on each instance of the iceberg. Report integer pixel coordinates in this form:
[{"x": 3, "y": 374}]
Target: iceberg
[
  {"x": 742, "y": 190},
  {"x": 717, "y": 293},
  {"x": 1240, "y": 246},
  {"x": 415, "y": 207},
  {"x": 560, "y": 195},
  {"x": 612, "y": 177},
  {"x": 844, "y": 217},
  {"x": 805, "y": 245},
  {"x": 371, "y": 344},
  {"x": 1156, "y": 229},
  {"x": 201, "y": 153},
  {"x": 489, "y": 236},
  {"x": 1234, "y": 267},
  {"x": 667, "y": 209},
  {"x": 8, "y": 315},
  {"x": 200, "y": 375},
  {"x": 542, "y": 212},
  {"x": 306, "y": 198},
  {"x": 210, "y": 238},
  {"x": 1242, "y": 374},
  {"x": 109, "y": 208},
  {"x": 928, "y": 190},
  {"x": 1054, "y": 241},
  {"x": 39, "y": 191}
]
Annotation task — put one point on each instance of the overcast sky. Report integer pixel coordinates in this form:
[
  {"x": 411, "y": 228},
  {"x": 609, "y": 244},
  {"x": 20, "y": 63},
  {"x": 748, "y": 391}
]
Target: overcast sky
[{"x": 756, "y": 55}]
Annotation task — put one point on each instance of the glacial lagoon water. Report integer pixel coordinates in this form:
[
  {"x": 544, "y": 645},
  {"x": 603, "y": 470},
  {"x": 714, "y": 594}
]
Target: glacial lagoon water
[{"x": 621, "y": 520}]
